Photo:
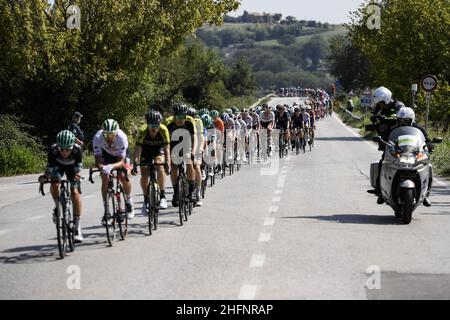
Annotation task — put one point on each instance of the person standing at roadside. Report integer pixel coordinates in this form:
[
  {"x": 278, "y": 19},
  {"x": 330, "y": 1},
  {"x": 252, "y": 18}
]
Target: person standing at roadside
[{"x": 74, "y": 127}]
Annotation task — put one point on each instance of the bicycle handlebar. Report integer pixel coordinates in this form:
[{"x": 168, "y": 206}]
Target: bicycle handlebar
[{"x": 92, "y": 170}]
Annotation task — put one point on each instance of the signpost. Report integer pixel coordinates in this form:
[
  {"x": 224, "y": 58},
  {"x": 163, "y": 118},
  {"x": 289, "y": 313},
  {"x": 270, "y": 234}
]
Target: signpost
[
  {"x": 429, "y": 84},
  {"x": 414, "y": 91},
  {"x": 366, "y": 100}
]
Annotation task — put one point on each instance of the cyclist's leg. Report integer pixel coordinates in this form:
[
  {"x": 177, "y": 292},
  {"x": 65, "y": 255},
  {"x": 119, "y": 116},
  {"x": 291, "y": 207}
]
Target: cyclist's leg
[{"x": 147, "y": 155}]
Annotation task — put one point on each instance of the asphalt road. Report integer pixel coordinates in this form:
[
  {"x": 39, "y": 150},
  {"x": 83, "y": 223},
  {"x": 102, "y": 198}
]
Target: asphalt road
[{"x": 299, "y": 228}]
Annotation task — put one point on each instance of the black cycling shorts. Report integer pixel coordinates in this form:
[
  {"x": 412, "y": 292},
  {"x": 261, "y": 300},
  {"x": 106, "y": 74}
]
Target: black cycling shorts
[{"x": 151, "y": 153}]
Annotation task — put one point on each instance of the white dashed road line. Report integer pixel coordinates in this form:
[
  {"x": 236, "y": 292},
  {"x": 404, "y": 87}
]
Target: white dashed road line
[
  {"x": 257, "y": 261},
  {"x": 248, "y": 292}
]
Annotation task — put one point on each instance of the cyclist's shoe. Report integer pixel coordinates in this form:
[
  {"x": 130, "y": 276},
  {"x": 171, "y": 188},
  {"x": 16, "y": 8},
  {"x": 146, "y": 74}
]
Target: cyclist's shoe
[
  {"x": 199, "y": 203},
  {"x": 78, "y": 236},
  {"x": 175, "y": 202},
  {"x": 144, "y": 209},
  {"x": 203, "y": 175},
  {"x": 380, "y": 200},
  {"x": 109, "y": 220},
  {"x": 427, "y": 202},
  {"x": 163, "y": 203},
  {"x": 130, "y": 210},
  {"x": 373, "y": 191},
  {"x": 54, "y": 215}
]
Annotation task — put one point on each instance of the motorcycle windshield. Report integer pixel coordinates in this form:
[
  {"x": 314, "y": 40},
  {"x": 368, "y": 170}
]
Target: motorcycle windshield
[{"x": 409, "y": 139}]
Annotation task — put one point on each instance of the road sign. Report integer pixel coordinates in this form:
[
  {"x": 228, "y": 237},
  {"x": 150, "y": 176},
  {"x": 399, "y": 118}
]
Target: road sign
[
  {"x": 367, "y": 92},
  {"x": 428, "y": 97},
  {"x": 366, "y": 101},
  {"x": 429, "y": 83}
]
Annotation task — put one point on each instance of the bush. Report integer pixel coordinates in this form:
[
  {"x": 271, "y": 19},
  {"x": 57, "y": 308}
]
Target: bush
[
  {"x": 20, "y": 152},
  {"x": 20, "y": 160},
  {"x": 441, "y": 157}
]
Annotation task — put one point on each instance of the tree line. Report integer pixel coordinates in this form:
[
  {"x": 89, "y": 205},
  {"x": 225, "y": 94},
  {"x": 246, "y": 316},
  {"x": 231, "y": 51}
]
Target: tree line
[{"x": 413, "y": 40}]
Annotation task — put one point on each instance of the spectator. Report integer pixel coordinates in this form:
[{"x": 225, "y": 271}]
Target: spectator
[
  {"x": 75, "y": 128},
  {"x": 350, "y": 105}
]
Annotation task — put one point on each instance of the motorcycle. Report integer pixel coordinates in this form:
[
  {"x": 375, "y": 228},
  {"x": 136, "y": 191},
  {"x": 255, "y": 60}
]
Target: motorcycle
[{"x": 406, "y": 172}]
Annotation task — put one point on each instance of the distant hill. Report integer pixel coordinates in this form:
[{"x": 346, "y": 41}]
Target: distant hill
[{"x": 280, "y": 54}]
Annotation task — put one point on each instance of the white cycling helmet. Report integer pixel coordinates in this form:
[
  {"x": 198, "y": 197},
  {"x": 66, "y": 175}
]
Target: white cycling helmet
[
  {"x": 308, "y": 107},
  {"x": 382, "y": 94},
  {"x": 406, "y": 116}
]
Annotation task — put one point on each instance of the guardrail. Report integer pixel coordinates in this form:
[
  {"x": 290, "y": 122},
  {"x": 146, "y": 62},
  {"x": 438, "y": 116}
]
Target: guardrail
[{"x": 351, "y": 114}]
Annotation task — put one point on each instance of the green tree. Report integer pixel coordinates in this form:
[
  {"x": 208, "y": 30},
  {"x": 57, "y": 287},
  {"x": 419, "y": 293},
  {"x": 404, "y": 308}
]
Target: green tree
[
  {"x": 105, "y": 69},
  {"x": 348, "y": 64},
  {"x": 240, "y": 81},
  {"x": 413, "y": 40}
]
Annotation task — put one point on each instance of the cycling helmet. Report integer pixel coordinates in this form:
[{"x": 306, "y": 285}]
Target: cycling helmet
[
  {"x": 406, "y": 117},
  {"x": 180, "y": 110},
  {"x": 110, "y": 125},
  {"x": 153, "y": 117},
  {"x": 203, "y": 111},
  {"x": 224, "y": 116},
  {"x": 65, "y": 139},
  {"x": 192, "y": 112},
  {"x": 207, "y": 121},
  {"x": 214, "y": 114}
]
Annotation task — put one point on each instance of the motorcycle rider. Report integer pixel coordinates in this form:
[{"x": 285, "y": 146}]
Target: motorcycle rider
[
  {"x": 385, "y": 116},
  {"x": 407, "y": 117}
]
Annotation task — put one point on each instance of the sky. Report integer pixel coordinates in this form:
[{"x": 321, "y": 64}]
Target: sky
[{"x": 332, "y": 11}]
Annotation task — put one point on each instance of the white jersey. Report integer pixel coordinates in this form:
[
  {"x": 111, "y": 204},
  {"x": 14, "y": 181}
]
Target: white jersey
[
  {"x": 270, "y": 117},
  {"x": 118, "y": 148}
]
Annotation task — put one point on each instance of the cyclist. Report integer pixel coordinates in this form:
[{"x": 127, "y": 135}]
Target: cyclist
[
  {"x": 112, "y": 153},
  {"x": 267, "y": 120},
  {"x": 297, "y": 124},
  {"x": 230, "y": 130},
  {"x": 181, "y": 120},
  {"x": 312, "y": 122},
  {"x": 65, "y": 157},
  {"x": 283, "y": 120},
  {"x": 153, "y": 144},
  {"x": 220, "y": 129},
  {"x": 198, "y": 153}
]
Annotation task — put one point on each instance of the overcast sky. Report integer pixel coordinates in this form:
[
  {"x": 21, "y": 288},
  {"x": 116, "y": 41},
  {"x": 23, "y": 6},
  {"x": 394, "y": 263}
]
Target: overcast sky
[{"x": 333, "y": 11}]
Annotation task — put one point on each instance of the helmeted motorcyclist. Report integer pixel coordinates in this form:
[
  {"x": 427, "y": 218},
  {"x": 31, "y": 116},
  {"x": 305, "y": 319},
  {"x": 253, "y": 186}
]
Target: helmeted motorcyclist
[
  {"x": 385, "y": 117},
  {"x": 407, "y": 117}
]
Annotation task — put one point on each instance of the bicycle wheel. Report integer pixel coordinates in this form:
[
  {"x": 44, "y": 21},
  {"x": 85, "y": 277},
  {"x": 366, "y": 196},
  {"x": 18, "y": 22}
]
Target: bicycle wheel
[
  {"x": 68, "y": 218},
  {"x": 61, "y": 232},
  {"x": 152, "y": 207},
  {"x": 110, "y": 225},
  {"x": 122, "y": 217},
  {"x": 180, "y": 199},
  {"x": 186, "y": 201},
  {"x": 156, "y": 207}
]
